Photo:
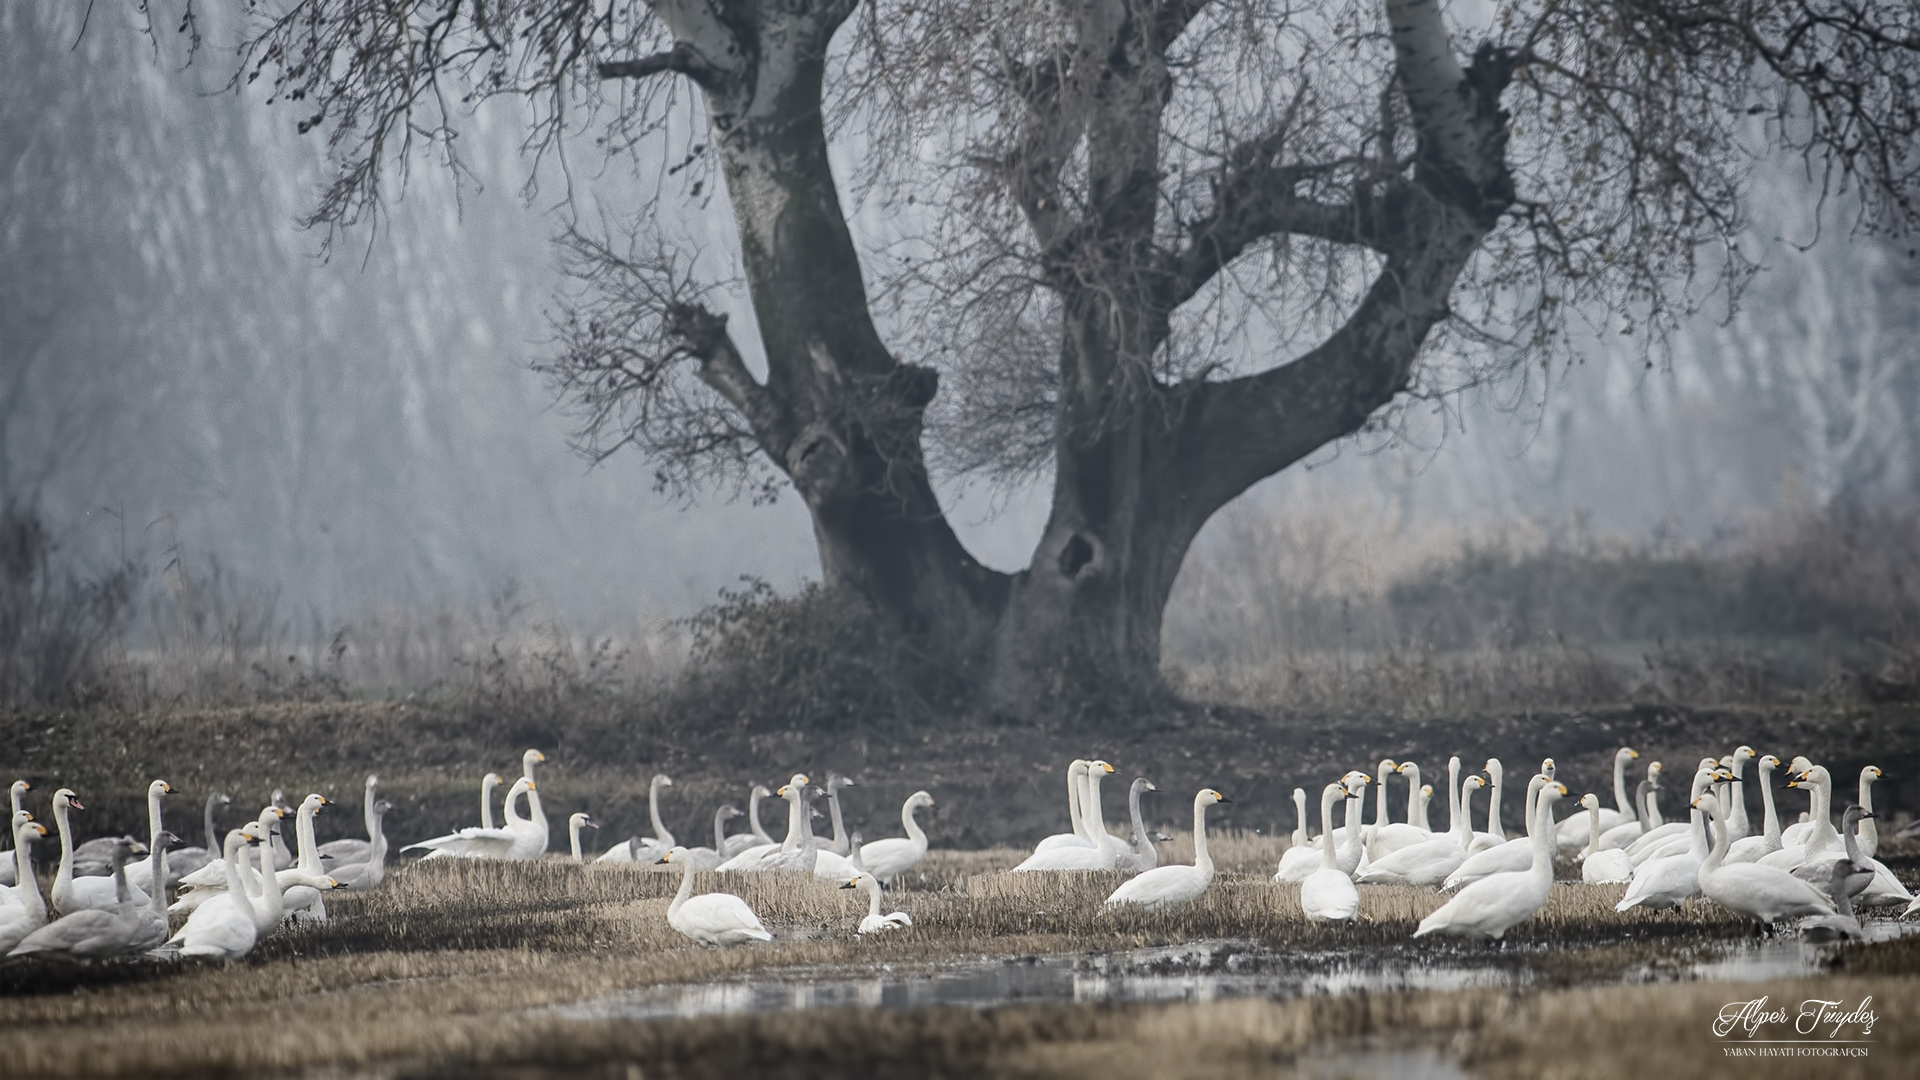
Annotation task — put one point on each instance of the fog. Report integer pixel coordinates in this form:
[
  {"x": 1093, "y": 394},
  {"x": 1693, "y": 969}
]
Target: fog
[{"x": 184, "y": 376}]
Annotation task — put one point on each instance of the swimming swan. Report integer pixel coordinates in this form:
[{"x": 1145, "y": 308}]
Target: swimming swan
[
  {"x": 1488, "y": 908},
  {"x": 1166, "y": 886},
  {"x": 711, "y": 918}
]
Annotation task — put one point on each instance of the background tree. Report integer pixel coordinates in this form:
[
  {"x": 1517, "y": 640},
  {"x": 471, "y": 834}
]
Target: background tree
[{"x": 1163, "y": 248}]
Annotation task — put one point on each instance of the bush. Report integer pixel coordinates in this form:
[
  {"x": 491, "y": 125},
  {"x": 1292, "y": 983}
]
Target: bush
[{"x": 54, "y": 628}]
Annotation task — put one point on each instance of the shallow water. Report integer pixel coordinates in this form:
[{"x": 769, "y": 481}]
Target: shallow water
[{"x": 1202, "y": 971}]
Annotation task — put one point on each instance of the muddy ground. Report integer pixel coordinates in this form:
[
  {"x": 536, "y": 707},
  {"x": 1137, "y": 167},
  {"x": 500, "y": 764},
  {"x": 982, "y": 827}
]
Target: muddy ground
[{"x": 995, "y": 783}]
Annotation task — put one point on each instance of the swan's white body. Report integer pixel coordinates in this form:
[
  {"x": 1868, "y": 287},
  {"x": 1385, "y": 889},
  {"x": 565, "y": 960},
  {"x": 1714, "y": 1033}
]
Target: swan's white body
[
  {"x": 223, "y": 928},
  {"x": 1813, "y": 840},
  {"x": 711, "y": 918},
  {"x": 646, "y": 849},
  {"x": 346, "y": 852},
  {"x": 1668, "y": 882},
  {"x": 1391, "y": 836},
  {"x": 795, "y": 854},
  {"x": 1754, "y": 848},
  {"x": 875, "y": 922},
  {"x": 1077, "y": 836},
  {"x": 1488, "y": 908},
  {"x": 1098, "y": 851},
  {"x": 1167, "y": 886},
  {"x": 887, "y": 859},
  {"x": 95, "y": 933},
  {"x": 1508, "y": 857},
  {"x": 368, "y": 874},
  {"x": 1138, "y": 853},
  {"x": 1758, "y": 892},
  {"x": 522, "y": 838},
  {"x": 1328, "y": 894},
  {"x": 1601, "y": 866},
  {"x": 1429, "y": 863},
  {"x": 70, "y": 893}
]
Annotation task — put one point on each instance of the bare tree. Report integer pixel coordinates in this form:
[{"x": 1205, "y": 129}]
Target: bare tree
[{"x": 1163, "y": 248}]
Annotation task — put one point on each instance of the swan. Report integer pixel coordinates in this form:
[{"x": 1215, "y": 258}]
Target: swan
[
  {"x": 1628, "y": 831},
  {"x": 153, "y": 918},
  {"x": 224, "y": 928},
  {"x": 9, "y": 877},
  {"x": 521, "y": 839},
  {"x": 1752, "y": 889},
  {"x": 96, "y": 933},
  {"x": 703, "y": 858},
  {"x": 1298, "y": 838},
  {"x": 1098, "y": 853},
  {"x": 1302, "y": 857},
  {"x": 875, "y": 923},
  {"x": 1874, "y": 883},
  {"x": 1513, "y": 855},
  {"x": 1328, "y": 894},
  {"x": 887, "y": 859},
  {"x": 1869, "y": 828},
  {"x": 185, "y": 860},
  {"x": 1668, "y": 881},
  {"x": 1752, "y": 848},
  {"x": 1859, "y": 872},
  {"x": 488, "y": 784},
  {"x": 1426, "y": 799},
  {"x": 369, "y": 874},
  {"x": 1598, "y": 866},
  {"x": 1381, "y": 816},
  {"x": 1429, "y": 863},
  {"x": 69, "y": 893},
  {"x": 211, "y": 878},
  {"x": 575, "y": 823},
  {"x": 1738, "y": 825},
  {"x": 1076, "y": 779},
  {"x": 797, "y": 830},
  {"x": 736, "y": 844},
  {"x": 140, "y": 874},
  {"x": 1495, "y": 835},
  {"x": 1571, "y": 833},
  {"x": 646, "y": 849},
  {"x": 1356, "y": 784},
  {"x": 1841, "y": 925},
  {"x": 27, "y": 911},
  {"x": 299, "y": 887},
  {"x": 1488, "y": 908},
  {"x": 829, "y": 865},
  {"x": 1139, "y": 853},
  {"x": 1818, "y": 841},
  {"x": 839, "y": 844},
  {"x": 711, "y": 918},
  {"x": 1671, "y": 838},
  {"x": 1391, "y": 836},
  {"x": 356, "y": 850},
  {"x": 1165, "y": 886}
]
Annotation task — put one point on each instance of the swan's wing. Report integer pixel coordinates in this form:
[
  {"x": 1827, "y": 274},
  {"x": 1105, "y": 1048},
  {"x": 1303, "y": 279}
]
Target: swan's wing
[
  {"x": 212, "y": 873},
  {"x": 749, "y": 859},
  {"x": 717, "y": 913},
  {"x": 96, "y": 892},
  {"x": 347, "y": 851},
  {"x": 891, "y": 857},
  {"x": 830, "y": 867},
  {"x": 67, "y": 933},
  {"x": 472, "y": 843}
]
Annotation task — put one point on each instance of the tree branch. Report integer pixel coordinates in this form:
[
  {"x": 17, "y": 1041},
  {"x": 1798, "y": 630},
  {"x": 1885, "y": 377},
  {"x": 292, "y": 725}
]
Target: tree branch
[{"x": 682, "y": 58}]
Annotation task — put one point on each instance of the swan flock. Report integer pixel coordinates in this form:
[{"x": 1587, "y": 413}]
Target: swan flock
[{"x": 109, "y": 897}]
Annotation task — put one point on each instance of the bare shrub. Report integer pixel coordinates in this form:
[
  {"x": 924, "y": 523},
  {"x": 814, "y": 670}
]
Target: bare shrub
[{"x": 55, "y": 628}]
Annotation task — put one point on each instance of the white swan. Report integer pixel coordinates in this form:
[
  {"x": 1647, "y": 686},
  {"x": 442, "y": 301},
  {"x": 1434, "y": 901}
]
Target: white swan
[
  {"x": 707, "y": 858},
  {"x": 711, "y": 918},
  {"x": 887, "y": 859},
  {"x": 1668, "y": 881},
  {"x": 646, "y": 849},
  {"x": 1676, "y": 837},
  {"x": 224, "y": 928},
  {"x": 1495, "y": 835},
  {"x": 797, "y": 830},
  {"x": 1756, "y": 891},
  {"x": 1601, "y": 866},
  {"x": 1391, "y": 836},
  {"x": 1429, "y": 863},
  {"x": 1513, "y": 855},
  {"x": 1572, "y": 833},
  {"x": 9, "y": 877},
  {"x": 1818, "y": 841},
  {"x": 355, "y": 850},
  {"x": 70, "y": 893},
  {"x": 875, "y": 923},
  {"x": 1166, "y": 886},
  {"x": 1302, "y": 856},
  {"x": 521, "y": 839},
  {"x": 1488, "y": 908},
  {"x": 211, "y": 880},
  {"x": 1098, "y": 853},
  {"x": 575, "y": 822},
  {"x": 1328, "y": 894},
  {"x": 839, "y": 845},
  {"x": 1738, "y": 825},
  {"x": 1869, "y": 828},
  {"x": 185, "y": 860},
  {"x": 1138, "y": 853},
  {"x": 140, "y": 874},
  {"x": 1381, "y": 816},
  {"x": 96, "y": 933},
  {"x": 368, "y": 874},
  {"x": 1627, "y": 832},
  {"x": 27, "y": 911},
  {"x": 1753, "y": 848},
  {"x": 758, "y": 835},
  {"x": 154, "y": 928},
  {"x": 1077, "y": 837}
]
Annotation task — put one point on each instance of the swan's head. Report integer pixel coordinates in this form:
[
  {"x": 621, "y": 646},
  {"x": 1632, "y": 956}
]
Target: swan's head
[
  {"x": 835, "y": 782},
  {"x": 730, "y": 811},
  {"x": 1100, "y": 766},
  {"x": 34, "y": 830},
  {"x": 760, "y": 791},
  {"x": 921, "y": 798},
  {"x": 1799, "y": 764},
  {"x": 1653, "y": 771},
  {"x": 678, "y": 850},
  {"x": 159, "y": 787},
  {"x": 66, "y": 797},
  {"x": 1145, "y": 784},
  {"x": 1547, "y": 767},
  {"x": 852, "y": 882},
  {"x": 1743, "y": 753},
  {"x": 1426, "y": 791},
  {"x": 20, "y": 787},
  {"x": 662, "y": 780},
  {"x": 1590, "y": 801},
  {"x": 1473, "y": 783},
  {"x": 372, "y": 782},
  {"x": 251, "y": 834},
  {"x": 1494, "y": 768},
  {"x": 1208, "y": 795},
  {"x": 167, "y": 839},
  {"x": 491, "y": 780},
  {"x": 1769, "y": 763},
  {"x": 582, "y": 821},
  {"x": 1707, "y": 804},
  {"x": 533, "y": 757},
  {"x": 1387, "y": 765},
  {"x": 315, "y": 803},
  {"x": 1404, "y": 766},
  {"x": 1625, "y": 753},
  {"x": 382, "y": 806},
  {"x": 1871, "y": 772},
  {"x": 1553, "y": 789},
  {"x": 272, "y": 811}
]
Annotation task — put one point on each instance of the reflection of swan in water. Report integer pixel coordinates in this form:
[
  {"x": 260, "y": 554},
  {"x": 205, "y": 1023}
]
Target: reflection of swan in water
[
  {"x": 711, "y": 918},
  {"x": 1165, "y": 886}
]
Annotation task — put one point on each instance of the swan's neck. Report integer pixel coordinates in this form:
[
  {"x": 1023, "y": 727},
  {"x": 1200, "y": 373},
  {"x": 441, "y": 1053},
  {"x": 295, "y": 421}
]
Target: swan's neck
[
  {"x": 512, "y": 808},
  {"x": 213, "y": 838},
  {"x": 914, "y": 832},
  {"x": 1527, "y": 805},
  {"x": 537, "y": 817},
  {"x": 872, "y": 889},
  {"x": 1327, "y": 858},
  {"x": 840, "y": 843},
  {"x": 719, "y": 831},
  {"x": 1869, "y": 828},
  {"x": 1454, "y": 786},
  {"x": 1380, "y": 814},
  {"x": 1463, "y": 821},
  {"x": 64, "y": 874},
  {"x": 1540, "y": 831},
  {"x": 1850, "y": 838},
  {"x": 796, "y": 822},
  {"x": 1721, "y": 840},
  {"x": 1770, "y": 819},
  {"x": 27, "y": 887},
  {"x": 1416, "y": 813},
  {"x": 1201, "y": 858},
  {"x": 660, "y": 832},
  {"x": 1356, "y": 809},
  {"x": 1627, "y": 809},
  {"x": 367, "y": 816},
  {"x": 686, "y": 890},
  {"x": 153, "y": 818},
  {"x": 120, "y": 893},
  {"x": 236, "y": 885},
  {"x": 1493, "y": 808},
  {"x": 1653, "y": 818},
  {"x": 1593, "y": 831},
  {"x": 573, "y": 839},
  {"x": 1076, "y": 778},
  {"x": 486, "y": 803},
  {"x": 1133, "y": 812},
  {"x": 753, "y": 818},
  {"x": 1090, "y": 815},
  {"x": 377, "y": 834},
  {"x": 1822, "y": 805},
  {"x": 303, "y": 836},
  {"x": 1299, "y": 818},
  {"x": 270, "y": 883}
]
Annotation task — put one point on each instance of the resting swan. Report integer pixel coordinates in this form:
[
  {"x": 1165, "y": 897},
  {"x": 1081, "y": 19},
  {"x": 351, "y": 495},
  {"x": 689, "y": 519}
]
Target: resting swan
[
  {"x": 1138, "y": 853},
  {"x": 1166, "y": 886},
  {"x": 1754, "y": 848},
  {"x": 1601, "y": 866},
  {"x": 875, "y": 922},
  {"x": 224, "y": 928},
  {"x": 96, "y": 933},
  {"x": 140, "y": 874},
  {"x": 1328, "y": 894},
  {"x": 576, "y": 822},
  {"x": 523, "y": 838},
  {"x": 1510, "y": 856},
  {"x": 1668, "y": 881},
  {"x": 9, "y": 877},
  {"x": 70, "y": 893},
  {"x": 1759, "y": 892},
  {"x": 1570, "y": 833},
  {"x": 355, "y": 850},
  {"x": 887, "y": 859},
  {"x": 646, "y": 849},
  {"x": 712, "y": 918},
  {"x": 1495, "y": 834},
  {"x": 1429, "y": 863},
  {"x": 1819, "y": 841},
  {"x": 1625, "y": 833},
  {"x": 734, "y": 845},
  {"x": 706, "y": 858},
  {"x": 1390, "y": 836},
  {"x": 1488, "y": 908},
  {"x": 27, "y": 911},
  {"x": 1076, "y": 781},
  {"x": 1098, "y": 852},
  {"x": 797, "y": 830}
]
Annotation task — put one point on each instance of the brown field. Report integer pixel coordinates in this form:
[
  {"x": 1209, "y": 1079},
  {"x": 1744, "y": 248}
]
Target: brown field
[{"x": 452, "y": 969}]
